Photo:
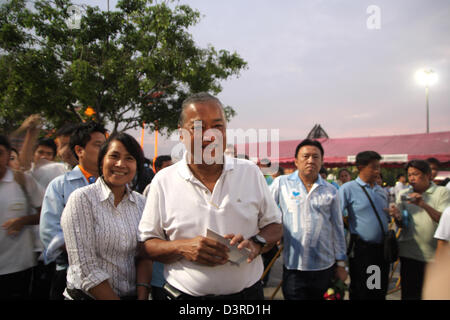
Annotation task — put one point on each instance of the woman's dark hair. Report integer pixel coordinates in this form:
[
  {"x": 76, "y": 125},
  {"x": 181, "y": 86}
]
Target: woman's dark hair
[
  {"x": 133, "y": 148},
  {"x": 365, "y": 157},
  {"x": 421, "y": 165},
  {"x": 82, "y": 135},
  {"x": 309, "y": 142}
]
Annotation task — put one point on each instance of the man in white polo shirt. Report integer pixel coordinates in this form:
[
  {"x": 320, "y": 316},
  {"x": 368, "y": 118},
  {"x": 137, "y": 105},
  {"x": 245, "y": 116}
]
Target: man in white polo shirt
[{"x": 207, "y": 190}]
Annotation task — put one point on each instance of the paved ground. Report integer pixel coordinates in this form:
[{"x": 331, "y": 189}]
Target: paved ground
[{"x": 276, "y": 274}]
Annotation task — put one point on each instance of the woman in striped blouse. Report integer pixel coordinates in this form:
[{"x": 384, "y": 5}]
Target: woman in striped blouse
[{"x": 100, "y": 225}]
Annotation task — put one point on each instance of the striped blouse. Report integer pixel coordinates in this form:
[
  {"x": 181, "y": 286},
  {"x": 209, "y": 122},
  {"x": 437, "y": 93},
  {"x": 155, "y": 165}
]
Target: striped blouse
[{"x": 101, "y": 239}]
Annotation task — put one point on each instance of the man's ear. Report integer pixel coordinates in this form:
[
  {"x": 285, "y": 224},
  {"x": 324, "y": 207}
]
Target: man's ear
[{"x": 79, "y": 150}]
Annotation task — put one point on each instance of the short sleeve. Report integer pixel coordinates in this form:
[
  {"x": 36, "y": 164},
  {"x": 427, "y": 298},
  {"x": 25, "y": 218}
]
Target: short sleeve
[
  {"x": 269, "y": 211},
  {"x": 150, "y": 225},
  {"x": 443, "y": 229},
  {"x": 34, "y": 190},
  {"x": 444, "y": 199}
]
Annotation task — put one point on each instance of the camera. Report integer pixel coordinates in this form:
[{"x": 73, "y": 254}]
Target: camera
[{"x": 405, "y": 197}]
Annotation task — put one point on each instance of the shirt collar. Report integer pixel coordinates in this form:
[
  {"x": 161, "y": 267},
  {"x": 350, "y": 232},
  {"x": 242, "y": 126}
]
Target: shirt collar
[
  {"x": 90, "y": 178},
  {"x": 365, "y": 184},
  {"x": 295, "y": 177},
  {"x": 9, "y": 176},
  {"x": 75, "y": 174},
  {"x": 105, "y": 191},
  {"x": 361, "y": 182},
  {"x": 186, "y": 173},
  {"x": 431, "y": 188}
]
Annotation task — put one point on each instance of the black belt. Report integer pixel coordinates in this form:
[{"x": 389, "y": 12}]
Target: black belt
[
  {"x": 234, "y": 296},
  {"x": 355, "y": 240},
  {"x": 77, "y": 294}
]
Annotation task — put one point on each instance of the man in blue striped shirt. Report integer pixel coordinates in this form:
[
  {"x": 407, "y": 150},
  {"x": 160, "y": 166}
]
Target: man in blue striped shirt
[
  {"x": 314, "y": 243},
  {"x": 366, "y": 242}
]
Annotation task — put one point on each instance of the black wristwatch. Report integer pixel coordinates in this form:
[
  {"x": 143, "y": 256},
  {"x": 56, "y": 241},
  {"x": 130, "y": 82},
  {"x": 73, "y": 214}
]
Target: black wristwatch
[{"x": 259, "y": 240}]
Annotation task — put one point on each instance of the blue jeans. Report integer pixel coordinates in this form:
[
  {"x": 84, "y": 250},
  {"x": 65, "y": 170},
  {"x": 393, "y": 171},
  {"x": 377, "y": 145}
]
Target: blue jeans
[{"x": 306, "y": 285}]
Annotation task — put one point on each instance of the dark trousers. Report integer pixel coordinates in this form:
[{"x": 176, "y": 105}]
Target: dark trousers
[
  {"x": 15, "y": 286},
  {"x": 363, "y": 275},
  {"x": 267, "y": 258},
  {"x": 158, "y": 293},
  {"x": 58, "y": 285},
  {"x": 306, "y": 285},
  {"x": 42, "y": 281},
  {"x": 411, "y": 278}
]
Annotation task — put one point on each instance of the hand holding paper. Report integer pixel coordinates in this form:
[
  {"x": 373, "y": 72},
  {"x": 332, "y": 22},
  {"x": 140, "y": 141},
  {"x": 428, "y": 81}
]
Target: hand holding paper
[{"x": 237, "y": 254}]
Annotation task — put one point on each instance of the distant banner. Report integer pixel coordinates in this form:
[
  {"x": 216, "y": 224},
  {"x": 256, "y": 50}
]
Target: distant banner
[{"x": 385, "y": 158}]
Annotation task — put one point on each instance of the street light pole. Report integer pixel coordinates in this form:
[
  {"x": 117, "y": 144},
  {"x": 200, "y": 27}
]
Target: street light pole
[
  {"x": 427, "y": 77},
  {"x": 428, "y": 110}
]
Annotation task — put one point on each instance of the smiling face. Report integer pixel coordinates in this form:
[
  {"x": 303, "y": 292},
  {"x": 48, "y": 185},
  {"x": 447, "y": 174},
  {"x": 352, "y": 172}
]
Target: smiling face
[
  {"x": 204, "y": 128},
  {"x": 119, "y": 166}
]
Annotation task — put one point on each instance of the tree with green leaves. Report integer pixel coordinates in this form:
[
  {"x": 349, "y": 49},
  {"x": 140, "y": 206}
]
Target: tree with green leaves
[{"x": 133, "y": 65}]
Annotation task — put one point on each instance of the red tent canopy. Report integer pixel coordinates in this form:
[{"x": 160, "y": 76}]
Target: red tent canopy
[{"x": 396, "y": 150}]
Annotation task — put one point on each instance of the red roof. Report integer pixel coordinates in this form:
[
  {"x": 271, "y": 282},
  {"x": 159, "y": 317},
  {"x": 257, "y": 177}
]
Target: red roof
[{"x": 394, "y": 149}]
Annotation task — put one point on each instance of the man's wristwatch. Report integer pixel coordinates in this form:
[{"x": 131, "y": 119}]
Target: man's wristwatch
[{"x": 259, "y": 240}]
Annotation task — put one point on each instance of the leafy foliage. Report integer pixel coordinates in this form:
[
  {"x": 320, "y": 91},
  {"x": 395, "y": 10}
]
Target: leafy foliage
[{"x": 132, "y": 65}]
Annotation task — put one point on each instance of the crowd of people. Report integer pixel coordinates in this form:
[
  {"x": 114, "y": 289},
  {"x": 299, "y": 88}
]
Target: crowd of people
[{"x": 106, "y": 223}]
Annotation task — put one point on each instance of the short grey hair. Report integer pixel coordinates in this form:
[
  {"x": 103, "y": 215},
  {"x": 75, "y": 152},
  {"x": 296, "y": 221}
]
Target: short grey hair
[{"x": 195, "y": 98}]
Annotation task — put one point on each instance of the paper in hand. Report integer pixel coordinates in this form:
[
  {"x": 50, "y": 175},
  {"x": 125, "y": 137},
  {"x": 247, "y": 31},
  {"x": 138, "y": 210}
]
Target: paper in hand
[{"x": 235, "y": 255}]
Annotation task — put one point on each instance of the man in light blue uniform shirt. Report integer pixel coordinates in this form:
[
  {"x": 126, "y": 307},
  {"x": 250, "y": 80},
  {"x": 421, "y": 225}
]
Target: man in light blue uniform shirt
[
  {"x": 85, "y": 143},
  {"x": 366, "y": 240},
  {"x": 314, "y": 242}
]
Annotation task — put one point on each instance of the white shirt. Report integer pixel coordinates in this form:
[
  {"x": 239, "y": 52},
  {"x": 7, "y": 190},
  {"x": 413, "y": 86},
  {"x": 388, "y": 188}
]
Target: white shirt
[
  {"x": 101, "y": 239},
  {"x": 443, "y": 229},
  {"x": 399, "y": 187},
  {"x": 44, "y": 172},
  {"x": 16, "y": 252},
  {"x": 179, "y": 206}
]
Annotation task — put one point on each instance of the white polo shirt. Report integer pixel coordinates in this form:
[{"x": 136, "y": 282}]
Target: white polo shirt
[
  {"x": 16, "y": 252},
  {"x": 179, "y": 206}
]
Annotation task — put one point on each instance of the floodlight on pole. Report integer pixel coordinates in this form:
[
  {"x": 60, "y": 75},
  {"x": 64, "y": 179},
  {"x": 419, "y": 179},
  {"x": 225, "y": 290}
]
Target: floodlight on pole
[{"x": 427, "y": 78}]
